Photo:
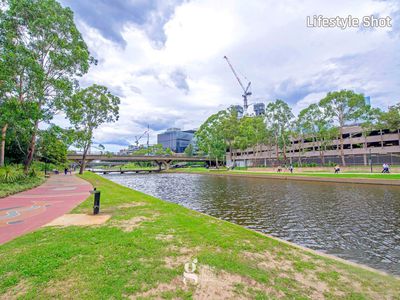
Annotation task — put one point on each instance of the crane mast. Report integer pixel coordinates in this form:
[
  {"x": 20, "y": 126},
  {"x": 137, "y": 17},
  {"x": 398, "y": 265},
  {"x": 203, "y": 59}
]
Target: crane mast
[{"x": 246, "y": 92}]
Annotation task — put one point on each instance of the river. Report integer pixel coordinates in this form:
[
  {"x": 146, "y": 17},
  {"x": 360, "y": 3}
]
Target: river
[{"x": 357, "y": 222}]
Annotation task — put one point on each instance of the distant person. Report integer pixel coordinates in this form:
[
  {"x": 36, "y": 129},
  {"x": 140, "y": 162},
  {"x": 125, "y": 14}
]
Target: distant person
[
  {"x": 65, "y": 171},
  {"x": 279, "y": 169},
  {"x": 337, "y": 169},
  {"x": 385, "y": 168},
  {"x": 291, "y": 168}
]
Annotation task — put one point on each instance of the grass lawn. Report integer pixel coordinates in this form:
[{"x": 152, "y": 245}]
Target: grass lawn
[
  {"x": 331, "y": 175},
  {"x": 7, "y": 189},
  {"x": 141, "y": 251},
  {"x": 309, "y": 173}
]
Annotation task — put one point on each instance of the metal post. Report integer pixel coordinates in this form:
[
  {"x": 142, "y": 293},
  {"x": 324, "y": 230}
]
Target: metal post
[{"x": 96, "y": 202}]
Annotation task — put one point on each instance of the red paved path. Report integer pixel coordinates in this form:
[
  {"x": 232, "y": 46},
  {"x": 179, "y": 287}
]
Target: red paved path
[{"x": 24, "y": 212}]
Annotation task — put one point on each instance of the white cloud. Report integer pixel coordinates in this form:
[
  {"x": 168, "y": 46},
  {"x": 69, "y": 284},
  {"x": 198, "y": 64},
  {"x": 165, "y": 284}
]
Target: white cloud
[{"x": 268, "y": 41}]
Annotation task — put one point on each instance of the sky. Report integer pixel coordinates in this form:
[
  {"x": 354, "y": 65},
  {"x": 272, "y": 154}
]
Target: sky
[{"x": 164, "y": 58}]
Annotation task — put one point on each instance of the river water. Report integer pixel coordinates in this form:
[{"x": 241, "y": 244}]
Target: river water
[{"x": 357, "y": 222}]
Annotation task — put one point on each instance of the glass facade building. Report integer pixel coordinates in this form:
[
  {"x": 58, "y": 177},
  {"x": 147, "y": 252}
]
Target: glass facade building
[{"x": 176, "y": 139}]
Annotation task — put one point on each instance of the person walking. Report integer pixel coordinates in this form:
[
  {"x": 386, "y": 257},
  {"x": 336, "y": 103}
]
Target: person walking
[
  {"x": 337, "y": 169},
  {"x": 385, "y": 168},
  {"x": 65, "y": 171},
  {"x": 291, "y": 168}
]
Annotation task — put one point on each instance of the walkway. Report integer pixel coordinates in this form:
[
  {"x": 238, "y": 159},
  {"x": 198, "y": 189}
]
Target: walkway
[{"x": 25, "y": 212}]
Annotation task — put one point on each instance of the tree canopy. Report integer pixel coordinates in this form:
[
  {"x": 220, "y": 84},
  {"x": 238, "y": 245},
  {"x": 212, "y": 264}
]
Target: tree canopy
[{"x": 89, "y": 108}]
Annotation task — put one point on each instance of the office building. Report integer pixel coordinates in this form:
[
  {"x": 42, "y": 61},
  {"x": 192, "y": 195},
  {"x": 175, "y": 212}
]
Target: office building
[{"x": 176, "y": 139}]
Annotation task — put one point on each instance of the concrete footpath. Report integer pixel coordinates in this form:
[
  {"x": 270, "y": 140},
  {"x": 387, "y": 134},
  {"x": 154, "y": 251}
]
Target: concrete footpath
[{"x": 26, "y": 211}]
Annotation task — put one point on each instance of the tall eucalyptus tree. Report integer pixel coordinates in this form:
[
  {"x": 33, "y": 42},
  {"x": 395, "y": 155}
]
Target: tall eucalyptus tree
[
  {"x": 342, "y": 107},
  {"x": 279, "y": 119},
  {"x": 58, "y": 56}
]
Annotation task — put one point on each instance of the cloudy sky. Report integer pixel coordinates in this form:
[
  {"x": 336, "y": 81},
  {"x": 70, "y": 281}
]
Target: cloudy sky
[{"x": 164, "y": 58}]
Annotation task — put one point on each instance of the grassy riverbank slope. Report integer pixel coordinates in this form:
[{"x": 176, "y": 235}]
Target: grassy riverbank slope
[
  {"x": 378, "y": 176},
  {"x": 141, "y": 251}
]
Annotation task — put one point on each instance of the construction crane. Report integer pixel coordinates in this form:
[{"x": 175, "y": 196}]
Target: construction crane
[
  {"x": 138, "y": 138},
  {"x": 246, "y": 91}
]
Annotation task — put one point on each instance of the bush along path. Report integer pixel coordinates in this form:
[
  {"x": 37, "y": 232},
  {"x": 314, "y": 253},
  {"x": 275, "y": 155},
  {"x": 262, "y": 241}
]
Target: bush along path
[
  {"x": 13, "y": 180},
  {"x": 141, "y": 252}
]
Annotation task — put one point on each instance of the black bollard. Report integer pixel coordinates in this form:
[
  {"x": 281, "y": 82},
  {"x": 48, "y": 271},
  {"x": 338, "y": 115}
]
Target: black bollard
[{"x": 96, "y": 203}]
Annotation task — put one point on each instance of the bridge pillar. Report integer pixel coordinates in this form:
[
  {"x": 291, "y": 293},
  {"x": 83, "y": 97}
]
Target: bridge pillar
[
  {"x": 167, "y": 164},
  {"x": 159, "y": 164}
]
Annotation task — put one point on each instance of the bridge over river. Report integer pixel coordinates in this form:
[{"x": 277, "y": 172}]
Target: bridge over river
[{"x": 160, "y": 160}]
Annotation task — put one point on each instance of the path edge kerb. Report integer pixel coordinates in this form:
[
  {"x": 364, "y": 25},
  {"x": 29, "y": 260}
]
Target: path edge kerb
[{"x": 391, "y": 182}]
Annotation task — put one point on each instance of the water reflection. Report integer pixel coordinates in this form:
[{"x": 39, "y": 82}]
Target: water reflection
[{"x": 356, "y": 222}]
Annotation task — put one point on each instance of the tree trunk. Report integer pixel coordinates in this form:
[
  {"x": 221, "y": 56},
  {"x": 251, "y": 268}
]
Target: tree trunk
[
  {"x": 300, "y": 150},
  {"x": 365, "y": 150},
  {"x": 342, "y": 146},
  {"x": 31, "y": 148},
  {"x": 270, "y": 154},
  {"x": 232, "y": 155},
  {"x": 3, "y": 144},
  {"x": 284, "y": 152},
  {"x": 83, "y": 164}
]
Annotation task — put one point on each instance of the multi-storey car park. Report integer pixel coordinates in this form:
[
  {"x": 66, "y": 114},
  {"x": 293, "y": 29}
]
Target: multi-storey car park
[{"x": 360, "y": 148}]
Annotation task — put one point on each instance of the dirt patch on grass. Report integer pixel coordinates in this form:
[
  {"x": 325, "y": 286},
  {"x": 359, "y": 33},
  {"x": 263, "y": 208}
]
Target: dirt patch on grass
[
  {"x": 212, "y": 284},
  {"x": 316, "y": 287},
  {"x": 79, "y": 220},
  {"x": 131, "y": 204},
  {"x": 17, "y": 291},
  {"x": 268, "y": 260},
  {"x": 182, "y": 255},
  {"x": 130, "y": 224},
  {"x": 173, "y": 262},
  {"x": 156, "y": 293},
  {"x": 222, "y": 285},
  {"x": 62, "y": 288},
  {"x": 165, "y": 237}
]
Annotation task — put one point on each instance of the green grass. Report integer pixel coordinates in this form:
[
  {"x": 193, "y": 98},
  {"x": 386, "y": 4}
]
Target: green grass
[
  {"x": 27, "y": 183},
  {"x": 394, "y": 176},
  {"x": 108, "y": 262},
  {"x": 330, "y": 175}
]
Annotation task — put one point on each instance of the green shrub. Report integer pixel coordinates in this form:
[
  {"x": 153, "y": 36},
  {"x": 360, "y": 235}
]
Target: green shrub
[{"x": 11, "y": 174}]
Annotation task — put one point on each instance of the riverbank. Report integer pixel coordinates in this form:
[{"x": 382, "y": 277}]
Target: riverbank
[
  {"x": 366, "y": 178},
  {"x": 141, "y": 251}
]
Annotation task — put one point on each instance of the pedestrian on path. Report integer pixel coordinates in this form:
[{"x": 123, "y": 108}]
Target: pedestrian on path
[{"x": 65, "y": 171}]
